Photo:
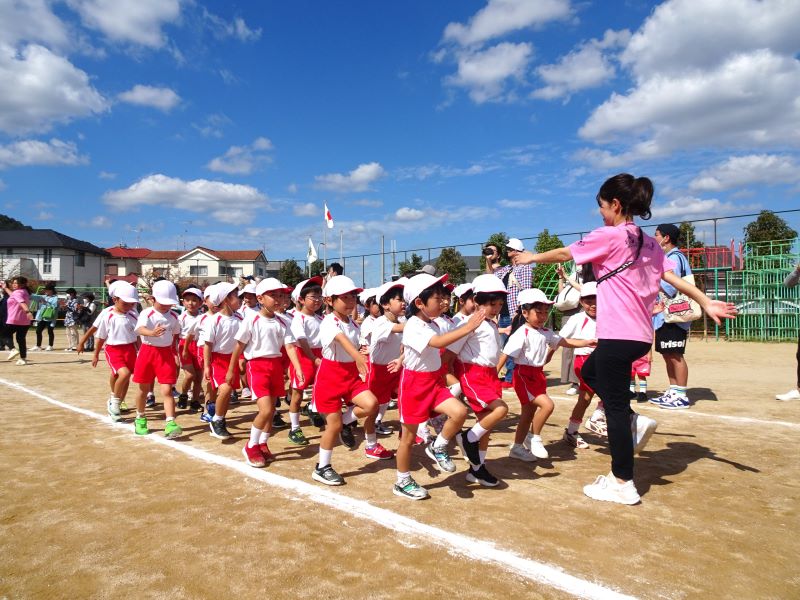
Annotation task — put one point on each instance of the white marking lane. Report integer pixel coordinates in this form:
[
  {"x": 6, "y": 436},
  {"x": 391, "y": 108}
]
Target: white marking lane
[{"x": 467, "y": 547}]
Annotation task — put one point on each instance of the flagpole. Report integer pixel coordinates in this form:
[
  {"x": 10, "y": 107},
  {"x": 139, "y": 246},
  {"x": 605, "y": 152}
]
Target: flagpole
[
  {"x": 341, "y": 246},
  {"x": 325, "y": 243}
]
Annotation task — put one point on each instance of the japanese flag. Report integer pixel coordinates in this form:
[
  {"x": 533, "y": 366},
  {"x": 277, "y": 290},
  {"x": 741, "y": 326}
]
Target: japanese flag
[{"x": 328, "y": 217}]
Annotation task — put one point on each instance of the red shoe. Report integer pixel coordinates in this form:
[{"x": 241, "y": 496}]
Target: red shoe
[
  {"x": 379, "y": 452},
  {"x": 264, "y": 449},
  {"x": 507, "y": 385},
  {"x": 253, "y": 456}
]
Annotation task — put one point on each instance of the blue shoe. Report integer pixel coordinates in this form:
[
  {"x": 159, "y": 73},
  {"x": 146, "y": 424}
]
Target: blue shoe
[
  {"x": 206, "y": 418},
  {"x": 151, "y": 401},
  {"x": 675, "y": 403}
]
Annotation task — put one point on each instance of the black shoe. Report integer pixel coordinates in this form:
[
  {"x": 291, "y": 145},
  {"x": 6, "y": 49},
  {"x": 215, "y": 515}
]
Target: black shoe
[
  {"x": 641, "y": 397},
  {"x": 151, "y": 401},
  {"x": 305, "y": 410},
  {"x": 277, "y": 402},
  {"x": 278, "y": 422},
  {"x": 326, "y": 475},
  {"x": 481, "y": 475},
  {"x": 195, "y": 405},
  {"x": 234, "y": 398},
  {"x": 469, "y": 449},
  {"x": 183, "y": 401},
  {"x": 633, "y": 396},
  {"x": 316, "y": 419},
  {"x": 218, "y": 429},
  {"x": 348, "y": 436}
]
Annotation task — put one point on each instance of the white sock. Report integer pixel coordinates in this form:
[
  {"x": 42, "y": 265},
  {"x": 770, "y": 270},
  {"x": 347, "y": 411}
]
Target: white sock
[
  {"x": 572, "y": 428},
  {"x": 422, "y": 431},
  {"x": 170, "y": 419},
  {"x": 381, "y": 412},
  {"x": 372, "y": 439},
  {"x": 349, "y": 416},
  {"x": 482, "y": 454},
  {"x": 476, "y": 433},
  {"x": 216, "y": 417},
  {"x": 441, "y": 441},
  {"x": 643, "y": 386},
  {"x": 139, "y": 415},
  {"x": 264, "y": 437},
  {"x": 294, "y": 418},
  {"x": 536, "y": 438},
  {"x": 255, "y": 434},
  {"x": 401, "y": 476},
  {"x": 324, "y": 457}
]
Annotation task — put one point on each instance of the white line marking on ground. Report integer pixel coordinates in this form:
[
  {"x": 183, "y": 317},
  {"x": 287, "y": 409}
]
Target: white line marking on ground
[{"x": 470, "y": 548}]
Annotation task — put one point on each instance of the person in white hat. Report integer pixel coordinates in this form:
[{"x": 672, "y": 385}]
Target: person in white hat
[
  {"x": 191, "y": 384},
  {"x": 195, "y": 338},
  {"x": 422, "y": 389},
  {"x": 466, "y": 304},
  {"x": 339, "y": 378},
  {"x": 159, "y": 330},
  {"x": 373, "y": 310},
  {"x": 248, "y": 301}
]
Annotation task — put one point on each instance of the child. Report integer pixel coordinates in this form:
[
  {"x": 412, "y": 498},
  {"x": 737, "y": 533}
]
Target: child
[
  {"x": 532, "y": 346},
  {"x": 641, "y": 369},
  {"x": 260, "y": 338},
  {"x": 386, "y": 350},
  {"x": 71, "y": 320},
  {"x": 422, "y": 388},
  {"x": 249, "y": 303},
  {"x": 305, "y": 329},
  {"x": 466, "y": 302},
  {"x": 159, "y": 330},
  {"x": 47, "y": 315},
  {"x": 338, "y": 378},
  {"x": 191, "y": 387},
  {"x": 219, "y": 340},
  {"x": 196, "y": 333},
  {"x": 115, "y": 331}
]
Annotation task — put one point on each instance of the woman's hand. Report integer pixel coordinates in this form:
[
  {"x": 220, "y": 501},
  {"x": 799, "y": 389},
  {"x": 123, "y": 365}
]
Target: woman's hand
[
  {"x": 522, "y": 258},
  {"x": 718, "y": 310}
]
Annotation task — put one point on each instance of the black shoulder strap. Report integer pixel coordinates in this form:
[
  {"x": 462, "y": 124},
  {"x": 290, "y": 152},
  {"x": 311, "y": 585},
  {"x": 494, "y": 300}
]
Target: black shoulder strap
[{"x": 625, "y": 265}]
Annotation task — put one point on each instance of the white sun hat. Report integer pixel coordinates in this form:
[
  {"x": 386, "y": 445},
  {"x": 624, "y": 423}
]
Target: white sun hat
[
  {"x": 221, "y": 291},
  {"x": 366, "y": 295},
  {"x": 340, "y": 284},
  {"x": 194, "y": 291},
  {"x": 589, "y": 289},
  {"x": 532, "y": 296},
  {"x": 316, "y": 280},
  {"x": 270, "y": 284},
  {"x": 250, "y": 288},
  {"x": 384, "y": 289},
  {"x": 462, "y": 289},
  {"x": 488, "y": 284},
  {"x": 418, "y": 283},
  {"x": 124, "y": 291},
  {"x": 165, "y": 293}
]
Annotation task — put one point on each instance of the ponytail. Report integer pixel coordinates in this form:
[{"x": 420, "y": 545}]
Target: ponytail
[
  {"x": 633, "y": 193},
  {"x": 518, "y": 319}
]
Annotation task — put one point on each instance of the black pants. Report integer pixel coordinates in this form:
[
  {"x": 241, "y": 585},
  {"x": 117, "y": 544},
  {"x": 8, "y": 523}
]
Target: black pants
[
  {"x": 6, "y": 337},
  {"x": 608, "y": 373},
  {"x": 51, "y": 333},
  {"x": 20, "y": 331}
]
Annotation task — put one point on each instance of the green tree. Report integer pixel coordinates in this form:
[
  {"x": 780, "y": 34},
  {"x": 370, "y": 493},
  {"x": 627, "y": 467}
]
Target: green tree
[
  {"x": 689, "y": 237},
  {"x": 451, "y": 262},
  {"x": 499, "y": 239},
  {"x": 544, "y": 276},
  {"x": 317, "y": 267},
  {"x": 10, "y": 224},
  {"x": 769, "y": 227},
  {"x": 406, "y": 268},
  {"x": 290, "y": 273}
]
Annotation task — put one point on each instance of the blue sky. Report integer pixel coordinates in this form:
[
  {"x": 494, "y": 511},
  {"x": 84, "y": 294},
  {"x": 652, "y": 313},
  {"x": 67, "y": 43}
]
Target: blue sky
[{"x": 228, "y": 124}]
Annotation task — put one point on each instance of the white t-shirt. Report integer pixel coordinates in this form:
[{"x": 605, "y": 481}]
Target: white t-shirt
[
  {"x": 306, "y": 327},
  {"x": 460, "y": 318},
  {"x": 116, "y": 328},
  {"x": 187, "y": 322},
  {"x": 263, "y": 336},
  {"x": 367, "y": 326},
  {"x": 481, "y": 347},
  {"x": 445, "y": 323},
  {"x": 529, "y": 346},
  {"x": 580, "y": 326},
  {"x": 220, "y": 332},
  {"x": 197, "y": 328},
  {"x": 150, "y": 319},
  {"x": 385, "y": 345},
  {"x": 419, "y": 356},
  {"x": 330, "y": 328},
  {"x": 245, "y": 310}
]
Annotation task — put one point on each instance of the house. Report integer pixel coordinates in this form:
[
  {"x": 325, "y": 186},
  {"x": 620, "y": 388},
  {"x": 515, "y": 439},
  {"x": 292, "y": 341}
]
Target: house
[
  {"x": 125, "y": 263},
  {"x": 47, "y": 255}
]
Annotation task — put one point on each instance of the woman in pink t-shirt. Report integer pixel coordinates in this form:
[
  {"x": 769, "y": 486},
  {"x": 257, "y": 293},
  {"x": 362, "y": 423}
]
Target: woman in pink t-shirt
[
  {"x": 19, "y": 317},
  {"x": 629, "y": 266}
]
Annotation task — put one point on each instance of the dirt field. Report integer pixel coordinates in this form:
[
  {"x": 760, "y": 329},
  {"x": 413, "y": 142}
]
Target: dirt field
[{"x": 88, "y": 510}]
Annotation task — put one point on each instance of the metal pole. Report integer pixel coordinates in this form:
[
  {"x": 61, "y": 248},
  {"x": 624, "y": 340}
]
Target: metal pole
[
  {"x": 325, "y": 243},
  {"x": 341, "y": 246},
  {"x": 383, "y": 261},
  {"x": 363, "y": 271},
  {"x": 715, "y": 233}
]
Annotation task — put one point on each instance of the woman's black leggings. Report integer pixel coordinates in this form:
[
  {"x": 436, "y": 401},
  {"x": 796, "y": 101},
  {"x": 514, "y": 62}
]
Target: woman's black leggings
[
  {"x": 19, "y": 332},
  {"x": 608, "y": 372},
  {"x": 51, "y": 333}
]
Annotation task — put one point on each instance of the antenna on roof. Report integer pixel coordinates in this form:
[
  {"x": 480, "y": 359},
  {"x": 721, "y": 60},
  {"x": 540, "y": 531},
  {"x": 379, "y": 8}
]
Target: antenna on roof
[{"x": 185, "y": 231}]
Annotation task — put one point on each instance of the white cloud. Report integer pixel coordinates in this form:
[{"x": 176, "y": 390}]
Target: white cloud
[
  {"x": 237, "y": 28},
  {"x": 484, "y": 72},
  {"x": 691, "y": 207},
  {"x": 213, "y": 125},
  {"x": 368, "y": 203},
  {"x": 292, "y": 188},
  {"x": 28, "y": 153},
  {"x": 357, "y": 180},
  {"x": 307, "y": 209},
  {"x": 32, "y": 21},
  {"x": 161, "y": 98},
  {"x": 740, "y": 171},
  {"x": 423, "y": 172},
  {"x": 242, "y": 160},
  {"x": 41, "y": 88},
  {"x": 136, "y": 22},
  {"x": 44, "y": 216},
  {"x": 409, "y": 214},
  {"x": 500, "y": 17},
  {"x": 106, "y": 175},
  {"x": 518, "y": 204},
  {"x": 226, "y": 202},
  {"x": 100, "y": 221}
]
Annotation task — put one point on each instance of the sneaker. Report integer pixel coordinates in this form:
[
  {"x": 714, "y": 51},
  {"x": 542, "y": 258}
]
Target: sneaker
[
  {"x": 522, "y": 453},
  {"x": 140, "y": 426},
  {"x": 172, "y": 430},
  {"x": 123, "y": 407},
  {"x": 34, "y": 349},
  {"x": 608, "y": 489},
  {"x": 641, "y": 397},
  {"x": 218, "y": 429},
  {"x": 326, "y": 475},
  {"x": 234, "y": 397},
  {"x": 183, "y": 401},
  {"x": 526, "y": 443},
  {"x": 441, "y": 458},
  {"x": 253, "y": 456},
  {"x": 392, "y": 404},
  {"x": 481, "y": 475},
  {"x": 206, "y": 417},
  {"x": 317, "y": 420},
  {"x": 194, "y": 405},
  {"x": 666, "y": 396},
  {"x": 348, "y": 436},
  {"x": 268, "y": 456},
  {"x": 641, "y": 428},
  {"x": 598, "y": 426},
  {"x": 538, "y": 449},
  {"x": 211, "y": 408},
  {"x": 21, "y": 362},
  {"x": 278, "y": 422},
  {"x": 113, "y": 411},
  {"x": 151, "y": 401},
  {"x": 572, "y": 391},
  {"x": 575, "y": 440},
  {"x": 296, "y": 436},
  {"x": 48, "y": 349},
  {"x": 378, "y": 452},
  {"x": 790, "y": 395},
  {"x": 305, "y": 410},
  {"x": 246, "y": 393},
  {"x": 13, "y": 354},
  {"x": 382, "y": 429},
  {"x": 468, "y": 449},
  {"x": 676, "y": 403},
  {"x": 408, "y": 488}
]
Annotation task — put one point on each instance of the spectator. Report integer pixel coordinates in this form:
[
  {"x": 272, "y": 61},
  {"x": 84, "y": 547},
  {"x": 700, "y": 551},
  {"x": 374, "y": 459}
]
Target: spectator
[
  {"x": 792, "y": 279},
  {"x": 19, "y": 317},
  {"x": 87, "y": 311},
  {"x": 46, "y": 317},
  {"x": 6, "y": 339},
  {"x": 71, "y": 319}
]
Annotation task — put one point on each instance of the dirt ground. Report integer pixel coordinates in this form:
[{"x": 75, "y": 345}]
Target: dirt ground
[{"x": 89, "y": 511}]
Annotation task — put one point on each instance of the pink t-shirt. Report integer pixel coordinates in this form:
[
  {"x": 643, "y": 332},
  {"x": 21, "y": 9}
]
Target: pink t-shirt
[
  {"x": 16, "y": 314},
  {"x": 624, "y": 301}
]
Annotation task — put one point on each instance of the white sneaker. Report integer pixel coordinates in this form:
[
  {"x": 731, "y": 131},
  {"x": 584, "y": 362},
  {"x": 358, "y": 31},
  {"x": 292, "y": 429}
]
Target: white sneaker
[
  {"x": 538, "y": 449},
  {"x": 21, "y": 362},
  {"x": 48, "y": 349},
  {"x": 572, "y": 391},
  {"x": 521, "y": 453},
  {"x": 113, "y": 410},
  {"x": 790, "y": 395},
  {"x": 35, "y": 349},
  {"x": 665, "y": 397},
  {"x": 13, "y": 354},
  {"x": 246, "y": 393},
  {"x": 608, "y": 489},
  {"x": 641, "y": 428}
]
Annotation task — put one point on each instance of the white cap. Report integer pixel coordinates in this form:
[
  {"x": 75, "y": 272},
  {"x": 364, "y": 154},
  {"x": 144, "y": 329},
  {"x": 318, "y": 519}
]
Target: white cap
[
  {"x": 221, "y": 291},
  {"x": 515, "y": 244},
  {"x": 164, "y": 292},
  {"x": 124, "y": 291},
  {"x": 270, "y": 284},
  {"x": 316, "y": 280},
  {"x": 338, "y": 285},
  {"x": 532, "y": 296},
  {"x": 250, "y": 288},
  {"x": 488, "y": 284},
  {"x": 192, "y": 290},
  {"x": 419, "y": 283},
  {"x": 389, "y": 285},
  {"x": 366, "y": 295},
  {"x": 463, "y": 289},
  {"x": 209, "y": 290},
  {"x": 589, "y": 289}
]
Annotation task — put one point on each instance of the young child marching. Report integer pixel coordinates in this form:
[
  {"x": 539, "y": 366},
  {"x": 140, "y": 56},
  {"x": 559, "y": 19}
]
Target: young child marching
[
  {"x": 423, "y": 392},
  {"x": 261, "y": 336},
  {"x": 159, "y": 330},
  {"x": 195, "y": 337},
  {"x": 339, "y": 379},
  {"x": 191, "y": 386}
]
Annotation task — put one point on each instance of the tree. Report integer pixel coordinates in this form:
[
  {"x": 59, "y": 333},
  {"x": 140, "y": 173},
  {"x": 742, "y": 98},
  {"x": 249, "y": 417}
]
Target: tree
[
  {"x": 769, "y": 227},
  {"x": 689, "y": 237},
  {"x": 172, "y": 272},
  {"x": 10, "y": 224},
  {"x": 317, "y": 267},
  {"x": 290, "y": 273},
  {"x": 407, "y": 268},
  {"x": 544, "y": 276},
  {"x": 451, "y": 262},
  {"x": 499, "y": 239}
]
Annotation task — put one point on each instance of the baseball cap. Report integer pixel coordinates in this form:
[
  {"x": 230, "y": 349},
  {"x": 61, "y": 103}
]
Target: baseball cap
[
  {"x": 316, "y": 280},
  {"x": 124, "y": 291},
  {"x": 209, "y": 290},
  {"x": 270, "y": 284},
  {"x": 532, "y": 296},
  {"x": 515, "y": 244},
  {"x": 417, "y": 284},
  {"x": 428, "y": 270},
  {"x": 384, "y": 289},
  {"x": 589, "y": 289},
  {"x": 221, "y": 291},
  {"x": 164, "y": 292},
  {"x": 366, "y": 295},
  {"x": 338, "y": 285},
  {"x": 250, "y": 288},
  {"x": 488, "y": 284},
  {"x": 463, "y": 289},
  {"x": 192, "y": 290}
]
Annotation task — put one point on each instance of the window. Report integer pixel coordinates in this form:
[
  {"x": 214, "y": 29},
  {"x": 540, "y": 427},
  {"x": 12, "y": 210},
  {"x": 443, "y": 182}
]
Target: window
[
  {"x": 80, "y": 259},
  {"x": 198, "y": 271},
  {"x": 47, "y": 266},
  {"x": 112, "y": 269},
  {"x": 260, "y": 272}
]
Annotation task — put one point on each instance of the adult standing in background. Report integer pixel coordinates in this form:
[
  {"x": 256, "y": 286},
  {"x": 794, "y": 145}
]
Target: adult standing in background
[
  {"x": 19, "y": 317},
  {"x": 792, "y": 279},
  {"x": 516, "y": 278}
]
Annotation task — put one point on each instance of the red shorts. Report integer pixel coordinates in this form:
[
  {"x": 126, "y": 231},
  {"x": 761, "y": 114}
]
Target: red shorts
[
  {"x": 578, "y": 365},
  {"x": 201, "y": 358},
  {"x": 265, "y": 376},
  {"x": 336, "y": 381},
  {"x": 528, "y": 382},
  {"x": 121, "y": 356},
  {"x": 285, "y": 362},
  {"x": 306, "y": 366},
  {"x": 156, "y": 362},
  {"x": 480, "y": 386},
  {"x": 641, "y": 367},
  {"x": 458, "y": 368},
  {"x": 382, "y": 383},
  {"x": 220, "y": 363},
  {"x": 192, "y": 362},
  {"x": 420, "y": 393}
]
